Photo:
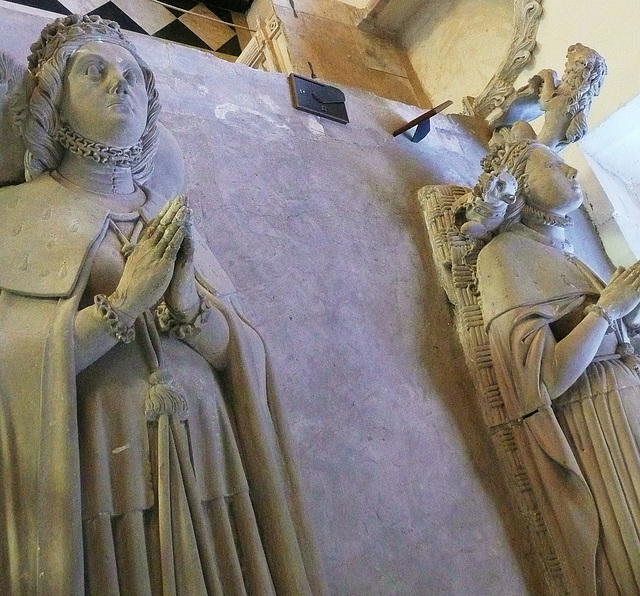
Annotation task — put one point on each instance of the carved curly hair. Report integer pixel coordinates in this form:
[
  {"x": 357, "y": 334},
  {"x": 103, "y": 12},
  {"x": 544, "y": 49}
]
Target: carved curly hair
[
  {"x": 48, "y": 62},
  {"x": 584, "y": 74}
]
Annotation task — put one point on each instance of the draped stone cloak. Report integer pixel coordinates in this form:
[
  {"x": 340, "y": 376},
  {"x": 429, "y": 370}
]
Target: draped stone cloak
[
  {"x": 525, "y": 286},
  {"x": 47, "y": 251}
]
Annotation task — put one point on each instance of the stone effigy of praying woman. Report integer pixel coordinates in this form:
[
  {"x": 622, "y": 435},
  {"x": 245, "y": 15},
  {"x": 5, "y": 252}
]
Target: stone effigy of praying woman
[
  {"x": 567, "y": 374},
  {"x": 141, "y": 450}
]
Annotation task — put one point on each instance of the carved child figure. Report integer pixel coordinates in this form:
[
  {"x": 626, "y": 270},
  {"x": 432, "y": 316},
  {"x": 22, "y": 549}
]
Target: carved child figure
[{"x": 565, "y": 103}]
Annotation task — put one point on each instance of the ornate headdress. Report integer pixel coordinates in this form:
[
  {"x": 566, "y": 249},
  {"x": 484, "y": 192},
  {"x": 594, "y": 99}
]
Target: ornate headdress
[
  {"x": 516, "y": 155},
  {"x": 70, "y": 29},
  {"x": 512, "y": 154}
]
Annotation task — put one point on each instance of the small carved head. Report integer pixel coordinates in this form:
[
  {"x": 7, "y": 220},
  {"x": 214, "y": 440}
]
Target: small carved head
[
  {"x": 59, "y": 94},
  {"x": 584, "y": 68},
  {"x": 500, "y": 187}
]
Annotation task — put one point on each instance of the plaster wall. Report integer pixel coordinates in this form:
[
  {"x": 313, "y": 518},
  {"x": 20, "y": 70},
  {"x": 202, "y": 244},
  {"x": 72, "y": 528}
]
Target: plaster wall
[
  {"x": 318, "y": 225},
  {"x": 454, "y": 46},
  {"x": 609, "y": 161},
  {"x": 394, "y": 15}
]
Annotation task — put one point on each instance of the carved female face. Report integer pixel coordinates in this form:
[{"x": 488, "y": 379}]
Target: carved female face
[
  {"x": 104, "y": 96},
  {"x": 551, "y": 184}
]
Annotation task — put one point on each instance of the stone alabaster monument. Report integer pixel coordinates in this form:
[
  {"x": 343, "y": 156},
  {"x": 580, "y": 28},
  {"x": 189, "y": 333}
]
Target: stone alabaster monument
[
  {"x": 141, "y": 448},
  {"x": 548, "y": 343}
]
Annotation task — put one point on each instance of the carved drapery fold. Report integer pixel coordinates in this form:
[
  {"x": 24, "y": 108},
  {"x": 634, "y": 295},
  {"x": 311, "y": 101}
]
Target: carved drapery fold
[{"x": 455, "y": 257}]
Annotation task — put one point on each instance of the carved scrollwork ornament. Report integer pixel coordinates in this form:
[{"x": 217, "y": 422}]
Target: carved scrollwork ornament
[{"x": 527, "y": 15}]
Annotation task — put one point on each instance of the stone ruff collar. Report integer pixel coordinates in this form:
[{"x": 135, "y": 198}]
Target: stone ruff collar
[
  {"x": 534, "y": 215},
  {"x": 124, "y": 157}
]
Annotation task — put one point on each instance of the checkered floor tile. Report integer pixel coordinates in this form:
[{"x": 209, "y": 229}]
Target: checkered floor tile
[{"x": 196, "y": 24}]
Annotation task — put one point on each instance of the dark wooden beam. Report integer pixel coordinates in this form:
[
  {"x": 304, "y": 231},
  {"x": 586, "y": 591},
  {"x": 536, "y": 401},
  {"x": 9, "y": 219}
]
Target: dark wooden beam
[{"x": 424, "y": 118}]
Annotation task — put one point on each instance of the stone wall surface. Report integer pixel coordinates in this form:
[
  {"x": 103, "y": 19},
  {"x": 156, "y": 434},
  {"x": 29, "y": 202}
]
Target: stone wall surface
[
  {"x": 318, "y": 226},
  {"x": 324, "y": 42},
  {"x": 455, "y": 46}
]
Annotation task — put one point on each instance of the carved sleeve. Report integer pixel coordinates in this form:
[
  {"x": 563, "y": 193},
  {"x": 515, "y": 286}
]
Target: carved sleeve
[
  {"x": 93, "y": 336},
  {"x": 211, "y": 339}
]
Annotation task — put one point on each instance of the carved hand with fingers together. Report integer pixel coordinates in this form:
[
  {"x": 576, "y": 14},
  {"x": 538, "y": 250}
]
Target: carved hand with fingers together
[
  {"x": 150, "y": 267},
  {"x": 621, "y": 297}
]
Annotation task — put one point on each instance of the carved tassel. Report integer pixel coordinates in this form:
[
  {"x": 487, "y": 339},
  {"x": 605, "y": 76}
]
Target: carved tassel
[{"x": 164, "y": 397}]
